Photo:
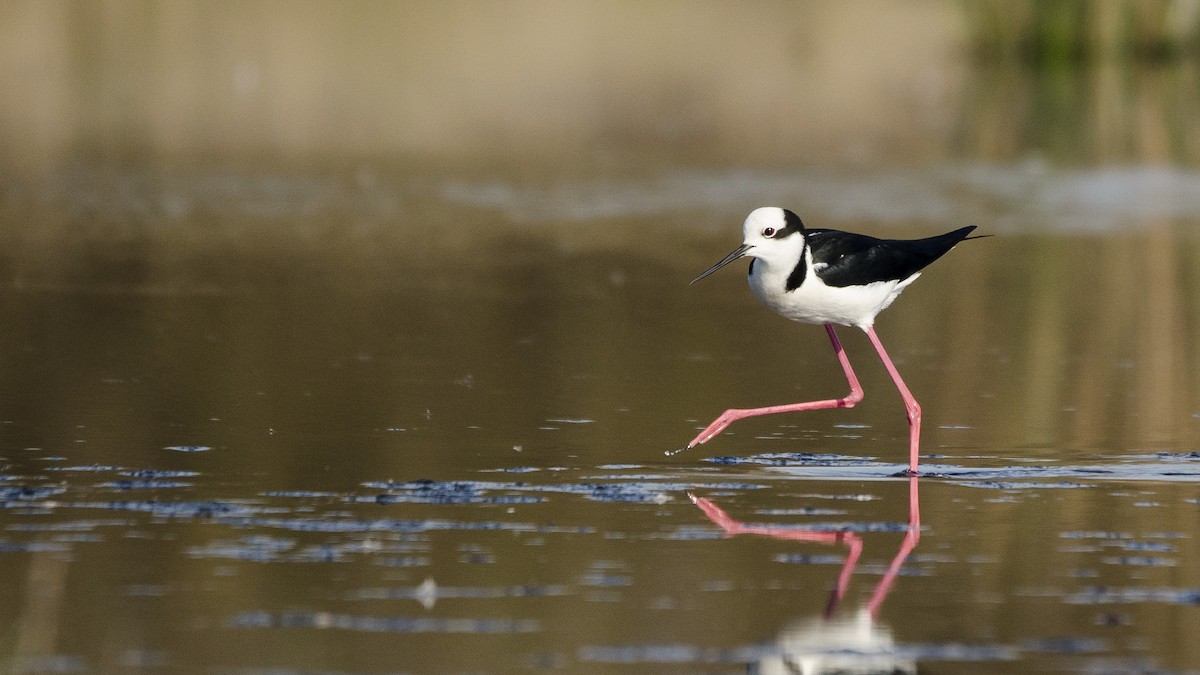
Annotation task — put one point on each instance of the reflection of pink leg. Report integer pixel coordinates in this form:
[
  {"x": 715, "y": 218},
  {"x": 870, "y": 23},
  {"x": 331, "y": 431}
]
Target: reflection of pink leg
[
  {"x": 718, "y": 516},
  {"x": 734, "y": 414},
  {"x": 910, "y": 404},
  {"x": 852, "y": 541},
  {"x": 910, "y": 542}
]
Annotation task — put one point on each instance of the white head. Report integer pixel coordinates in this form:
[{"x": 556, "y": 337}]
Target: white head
[{"x": 771, "y": 234}]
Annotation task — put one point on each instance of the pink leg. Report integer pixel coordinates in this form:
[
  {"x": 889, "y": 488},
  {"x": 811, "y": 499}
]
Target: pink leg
[
  {"x": 910, "y": 403},
  {"x": 734, "y": 414}
]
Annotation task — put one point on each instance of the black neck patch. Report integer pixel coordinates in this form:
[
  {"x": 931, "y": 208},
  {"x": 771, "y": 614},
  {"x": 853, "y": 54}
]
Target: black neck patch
[
  {"x": 798, "y": 273},
  {"x": 792, "y": 224}
]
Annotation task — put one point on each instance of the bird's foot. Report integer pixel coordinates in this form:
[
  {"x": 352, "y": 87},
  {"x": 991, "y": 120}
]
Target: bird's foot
[{"x": 718, "y": 425}]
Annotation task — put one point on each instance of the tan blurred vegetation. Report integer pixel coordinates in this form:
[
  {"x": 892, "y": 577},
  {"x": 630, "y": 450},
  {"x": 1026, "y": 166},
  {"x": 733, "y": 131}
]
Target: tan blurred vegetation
[
  {"x": 592, "y": 84},
  {"x": 475, "y": 81}
]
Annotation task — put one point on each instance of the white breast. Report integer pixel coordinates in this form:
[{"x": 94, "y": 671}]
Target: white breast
[{"x": 814, "y": 302}]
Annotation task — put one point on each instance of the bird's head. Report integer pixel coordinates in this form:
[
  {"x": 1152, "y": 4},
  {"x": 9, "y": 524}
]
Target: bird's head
[{"x": 771, "y": 234}]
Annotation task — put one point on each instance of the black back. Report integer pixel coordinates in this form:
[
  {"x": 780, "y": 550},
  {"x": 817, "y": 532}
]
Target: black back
[{"x": 858, "y": 259}]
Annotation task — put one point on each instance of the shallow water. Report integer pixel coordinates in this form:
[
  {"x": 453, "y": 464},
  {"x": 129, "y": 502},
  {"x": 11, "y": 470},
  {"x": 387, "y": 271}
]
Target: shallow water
[{"x": 322, "y": 462}]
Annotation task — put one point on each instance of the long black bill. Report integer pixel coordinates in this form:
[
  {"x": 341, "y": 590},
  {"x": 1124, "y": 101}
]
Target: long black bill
[{"x": 737, "y": 253}]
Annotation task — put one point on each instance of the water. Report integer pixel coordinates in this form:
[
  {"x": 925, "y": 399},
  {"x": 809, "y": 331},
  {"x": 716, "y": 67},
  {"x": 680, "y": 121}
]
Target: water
[
  {"x": 385, "y": 384},
  {"x": 327, "y": 463}
]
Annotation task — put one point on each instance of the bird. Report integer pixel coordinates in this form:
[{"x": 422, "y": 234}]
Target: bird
[{"x": 830, "y": 277}]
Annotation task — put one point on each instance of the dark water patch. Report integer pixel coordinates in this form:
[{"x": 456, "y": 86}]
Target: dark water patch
[
  {"x": 790, "y": 459},
  {"x": 210, "y": 509},
  {"x": 380, "y": 624},
  {"x": 188, "y": 448},
  {"x": 1179, "y": 456},
  {"x": 89, "y": 468},
  {"x": 71, "y": 526},
  {"x": 605, "y": 580},
  {"x": 859, "y": 527},
  {"x": 688, "y": 533},
  {"x": 33, "y": 547},
  {"x": 20, "y": 495},
  {"x": 301, "y": 494},
  {"x": 467, "y": 492},
  {"x": 1017, "y": 485},
  {"x": 256, "y": 548},
  {"x": 1127, "y": 541},
  {"x": 144, "y": 484},
  {"x": 631, "y": 654},
  {"x": 801, "y": 559},
  {"x": 79, "y": 538},
  {"x": 428, "y": 590},
  {"x": 477, "y": 558},
  {"x": 904, "y": 571},
  {"x": 1013, "y": 476},
  {"x": 1130, "y": 545},
  {"x": 403, "y": 561},
  {"x": 1104, "y": 595},
  {"x": 339, "y": 525},
  {"x": 158, "y": 474},
  {"x": 849, "y": 497},
  {"x": 267, "y": 549},
  {"x": 958, "y": 652},
  {"x": 637, "y": 493},
  {"x": 428, "y": 497},
  {"x": 629, "y": 477},
  {"x": 432, "y": 492},
  {"x": 1140, "y": 561},
  {"x": 803, "y": 511},
  {"x": 1096, "y": 534},
  {"x": 1065, "y": 645}
]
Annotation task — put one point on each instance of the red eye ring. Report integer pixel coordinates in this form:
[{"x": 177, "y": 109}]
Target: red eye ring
[{"x": 769, "y": 232}]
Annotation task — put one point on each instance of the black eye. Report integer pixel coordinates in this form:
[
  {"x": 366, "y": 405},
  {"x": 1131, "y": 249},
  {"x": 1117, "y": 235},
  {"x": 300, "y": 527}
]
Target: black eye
[{"x": 769, "y": 232}]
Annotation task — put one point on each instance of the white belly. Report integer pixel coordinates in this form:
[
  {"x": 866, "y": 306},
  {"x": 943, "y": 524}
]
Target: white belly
[{"x": 814, "y": 302}]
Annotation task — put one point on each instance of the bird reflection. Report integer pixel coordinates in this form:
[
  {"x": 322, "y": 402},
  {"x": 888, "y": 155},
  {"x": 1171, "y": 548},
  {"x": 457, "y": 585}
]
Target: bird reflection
[{"x": 857, "y": 644}]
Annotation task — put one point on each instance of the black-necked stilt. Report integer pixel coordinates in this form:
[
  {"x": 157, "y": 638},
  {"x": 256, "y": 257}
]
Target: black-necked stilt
[{"x": 830, "y": 277}]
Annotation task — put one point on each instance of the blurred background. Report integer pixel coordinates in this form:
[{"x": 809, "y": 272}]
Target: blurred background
[
  {"x": 596, "y": 85},
  {"x": 127, "y": 114},
  {"x": 330, "y": 243}
]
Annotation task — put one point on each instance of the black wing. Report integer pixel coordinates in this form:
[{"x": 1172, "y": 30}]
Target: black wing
[{"x": 857, "y": 259}]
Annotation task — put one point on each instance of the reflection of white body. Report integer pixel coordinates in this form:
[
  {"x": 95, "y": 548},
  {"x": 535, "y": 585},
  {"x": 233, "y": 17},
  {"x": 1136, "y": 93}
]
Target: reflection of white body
[{"x": 851, "y": 646}]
